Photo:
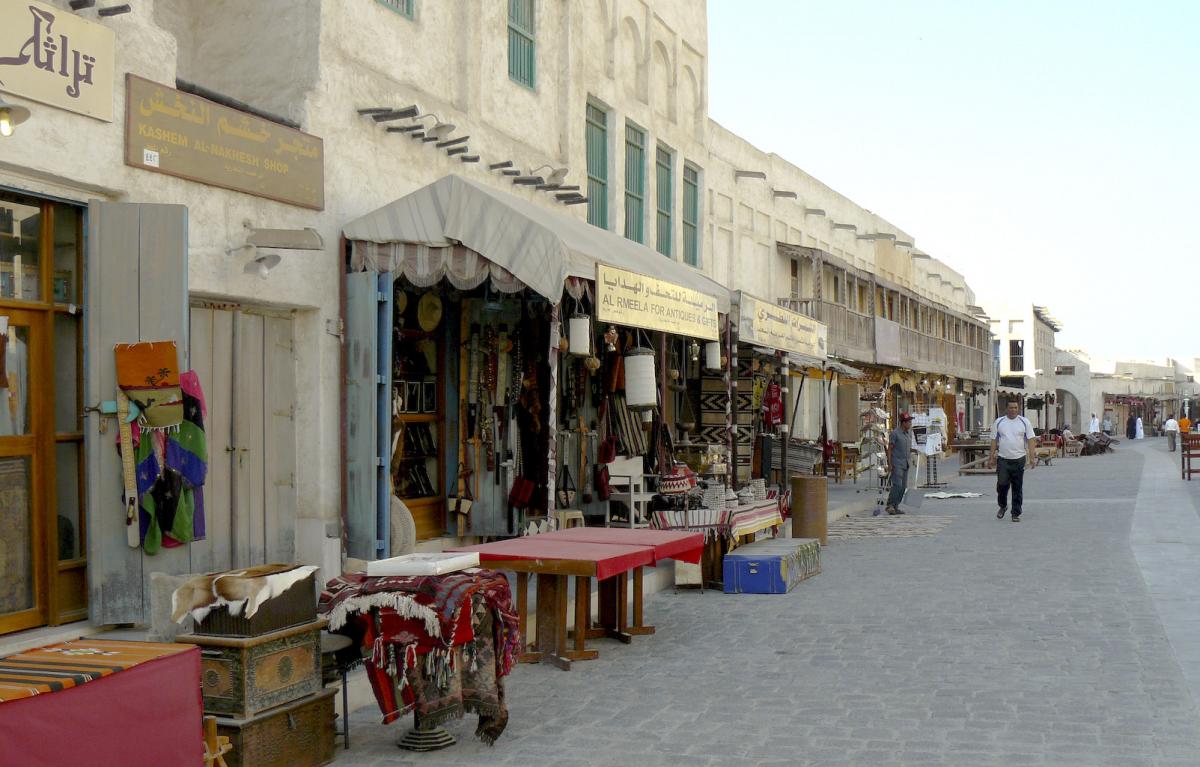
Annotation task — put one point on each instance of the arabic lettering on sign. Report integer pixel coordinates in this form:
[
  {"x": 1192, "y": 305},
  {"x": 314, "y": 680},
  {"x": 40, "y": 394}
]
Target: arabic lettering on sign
[
  {"x": 55, "y": 57},
  {"x": 628, "y": 298},
  {"x": 191, "y": 137},
  {"x": 780, "y": 328}
]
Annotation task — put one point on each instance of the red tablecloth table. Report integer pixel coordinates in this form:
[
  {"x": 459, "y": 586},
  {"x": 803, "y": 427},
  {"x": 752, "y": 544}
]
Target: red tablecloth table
[
  {"x": 102, "y": 702},
  {"x": 554, "y": 560}
]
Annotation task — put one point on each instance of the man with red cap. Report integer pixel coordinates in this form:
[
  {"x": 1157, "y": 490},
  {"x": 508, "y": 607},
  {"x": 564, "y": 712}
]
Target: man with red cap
[{"x": 899, "y": 447}]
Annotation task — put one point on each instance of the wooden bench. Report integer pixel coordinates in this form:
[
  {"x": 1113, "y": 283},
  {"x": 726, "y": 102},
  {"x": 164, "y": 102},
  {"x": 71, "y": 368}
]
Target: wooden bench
[{"x": 1189, "y": 449}]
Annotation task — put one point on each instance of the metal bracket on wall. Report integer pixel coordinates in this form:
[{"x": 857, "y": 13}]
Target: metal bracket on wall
[{"x": 337, "y": 329}]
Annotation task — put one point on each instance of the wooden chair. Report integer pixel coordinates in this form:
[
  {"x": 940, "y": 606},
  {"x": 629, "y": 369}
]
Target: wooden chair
[
  {"x": 629, "y": 487},
  {"x": 1072, "y": 448},
  {"x": 1189, "y": 449},
  {"x": 215, "y": 746}
]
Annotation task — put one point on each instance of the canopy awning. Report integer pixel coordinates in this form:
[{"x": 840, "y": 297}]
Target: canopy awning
[{"x": 538, "y": 246}]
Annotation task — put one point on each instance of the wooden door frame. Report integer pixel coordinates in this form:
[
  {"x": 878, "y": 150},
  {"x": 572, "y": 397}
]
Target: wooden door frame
[{"x": 38, "y": 447}]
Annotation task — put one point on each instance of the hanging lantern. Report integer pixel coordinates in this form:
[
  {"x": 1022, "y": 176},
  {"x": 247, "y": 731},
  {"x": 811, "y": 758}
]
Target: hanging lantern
[
  {"x": 647, "y": 417},
  {"x": 579, "y": 330},
  {"x": 712, "y": 355},
  {"x": 610, "y": 339},
  {"x": 641, "y": 391}
]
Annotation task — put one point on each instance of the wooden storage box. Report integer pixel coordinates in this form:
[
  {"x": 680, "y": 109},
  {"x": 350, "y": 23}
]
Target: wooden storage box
[
  {"x": 294, "y": 607},
  {"x": 243, "y": 676},
  {"x": 299, "y": 734}
]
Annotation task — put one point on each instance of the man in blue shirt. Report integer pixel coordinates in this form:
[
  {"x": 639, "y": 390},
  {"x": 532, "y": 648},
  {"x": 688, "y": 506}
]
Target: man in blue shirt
[{"x": 899, "y": 446}]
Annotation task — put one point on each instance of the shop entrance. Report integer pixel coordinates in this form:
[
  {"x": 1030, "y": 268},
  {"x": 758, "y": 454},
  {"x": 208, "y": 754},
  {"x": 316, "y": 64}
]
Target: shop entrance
[
  {"x": 42, "y": 536},
  {"x": 246, "y": 363}
]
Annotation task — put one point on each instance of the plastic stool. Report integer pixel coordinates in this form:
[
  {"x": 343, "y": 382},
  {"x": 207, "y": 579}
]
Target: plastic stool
[{"x": 568, "y": 518}]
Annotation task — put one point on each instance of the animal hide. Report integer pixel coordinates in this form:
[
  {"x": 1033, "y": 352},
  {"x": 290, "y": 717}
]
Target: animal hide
[{"x": 239, "y": 591}]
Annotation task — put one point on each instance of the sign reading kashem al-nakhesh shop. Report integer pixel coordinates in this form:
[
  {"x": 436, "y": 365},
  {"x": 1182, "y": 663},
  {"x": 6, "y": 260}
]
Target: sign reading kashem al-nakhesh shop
[
  {"x": 172, "y": 132},
  {"x": 52, "y": 56},
  {"x": 629, "y": 298},
  {"x": 776, "y": 327}
]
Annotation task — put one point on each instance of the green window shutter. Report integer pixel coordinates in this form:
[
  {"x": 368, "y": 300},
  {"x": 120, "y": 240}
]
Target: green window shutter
[
  {"x": 666, "y": 202},
  {"x": 406, "y": 8},
  {"x": 691, "y": 214},
  {"x": 522, "y": 52},
  {"x": 635, "y": 183},
  {"x": 597, "y": 165}
]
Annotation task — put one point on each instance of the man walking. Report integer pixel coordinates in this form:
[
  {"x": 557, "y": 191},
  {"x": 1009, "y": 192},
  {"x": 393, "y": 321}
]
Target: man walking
[
  {"x": 1185, "y": 425},
  {"x": 899, "y": 446},
  {"x": 1094, "y": 425},
  {"x": 1171, "y": 429},
  {"x": 1014, "y": 440}
]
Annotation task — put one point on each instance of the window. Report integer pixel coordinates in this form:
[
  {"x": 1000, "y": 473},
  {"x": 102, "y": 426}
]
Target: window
[
  {"x": 691, "y": 216},
  {"x": 635, "y": 182},
  {"x": 1016, "y": 356},
  {"x": 1064, "y": 370},
  {"x": 405, "y": 8},
  {"x": 795, "y": 278},
  {"x": 665, "y": 201},
  {"x": 597, "y": 165},
  {"x": 522, "y": 52}
]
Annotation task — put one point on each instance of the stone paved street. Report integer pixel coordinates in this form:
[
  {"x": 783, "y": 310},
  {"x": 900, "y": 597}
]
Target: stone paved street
[{"x": 985, "y": 643}]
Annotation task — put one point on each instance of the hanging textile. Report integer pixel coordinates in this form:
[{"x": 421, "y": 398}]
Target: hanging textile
[
  {"x": 148, "y": 373},
  {"x": 171, "y": 468}
]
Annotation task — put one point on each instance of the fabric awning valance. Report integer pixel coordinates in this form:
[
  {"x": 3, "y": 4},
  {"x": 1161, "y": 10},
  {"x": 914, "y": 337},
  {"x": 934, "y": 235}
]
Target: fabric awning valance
[{"x": 536, "y": 245}]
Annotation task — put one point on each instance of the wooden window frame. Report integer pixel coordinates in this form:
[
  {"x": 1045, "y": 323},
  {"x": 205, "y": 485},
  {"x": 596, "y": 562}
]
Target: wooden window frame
[
  {"x": 635, "y": 182},
  {"x": 664, "y": 192},
  {"x": 522, "y": 43},
  {"x": 690, "y": 214},
  {"x": 596, "y": 147}
]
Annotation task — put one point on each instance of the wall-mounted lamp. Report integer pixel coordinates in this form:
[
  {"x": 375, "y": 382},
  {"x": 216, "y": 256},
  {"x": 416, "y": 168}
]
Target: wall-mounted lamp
[
  {"x": 814, "y": 212},
  {"x": 11, "y": 115},
  {"x": 778, "y": 193},
  {"x": 440, "y": 129},
  {"x": 556, "y": 177},
  {"x": 738, "y": 175},
  {"x": 262, "y": 265}
]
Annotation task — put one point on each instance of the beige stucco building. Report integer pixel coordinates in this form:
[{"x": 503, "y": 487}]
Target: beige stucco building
[{"x": 629, "y": 74}]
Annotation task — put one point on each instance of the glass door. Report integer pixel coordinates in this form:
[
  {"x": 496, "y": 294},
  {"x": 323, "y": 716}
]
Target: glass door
[{"x": 23, "y": 444}]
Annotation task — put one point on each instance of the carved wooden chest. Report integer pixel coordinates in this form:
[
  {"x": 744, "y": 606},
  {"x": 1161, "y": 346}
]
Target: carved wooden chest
[
  {"x": 244, "y": 676},
  {"x": 298, "y": 734}
]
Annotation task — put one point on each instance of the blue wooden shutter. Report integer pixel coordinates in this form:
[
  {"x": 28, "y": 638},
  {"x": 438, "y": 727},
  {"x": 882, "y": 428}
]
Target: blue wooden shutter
[
  {"x": 368, "y": 422},
  {"x": 665, "y": 200},
  {"x": 635, "y": 182},
  {"x": 691, "y": 215},
  {"x": 597, "y": 165},
  {"x": 522, "y": 50}
]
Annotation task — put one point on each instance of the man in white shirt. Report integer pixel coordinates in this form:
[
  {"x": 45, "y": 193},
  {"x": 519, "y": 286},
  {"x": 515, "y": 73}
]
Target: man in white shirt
[
  {"x": 1014, "y": 440},
  {"x": 1171, "y": 428},
  {"x": 1094, "y": 425}
]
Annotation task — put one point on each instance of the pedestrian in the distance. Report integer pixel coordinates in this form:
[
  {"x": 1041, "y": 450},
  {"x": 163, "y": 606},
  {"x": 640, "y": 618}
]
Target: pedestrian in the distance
[
  {"x": 1094, "y": 426},
  {"x": 1185, "y": 425},
  {"x": 1013, "y": 445},
  {"x": 1171, "y": 429},
  {"x": 1138, "y": 431},
  {"x": 899, "y": 446},
  {"x": 1107, "y": 427},
  {"x": 1131, "y": 427}
]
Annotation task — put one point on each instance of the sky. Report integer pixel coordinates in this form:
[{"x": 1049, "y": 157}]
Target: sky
[{"x": 1049, "y": 151}]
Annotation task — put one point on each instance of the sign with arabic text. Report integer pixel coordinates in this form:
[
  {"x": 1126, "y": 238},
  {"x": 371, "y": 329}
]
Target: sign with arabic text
[
  {"x": 50, "y": 55},
  {"x": 179, "y": 134},
  {"x": 765, "y": 324},
  {"x": 629, "y": 298}
]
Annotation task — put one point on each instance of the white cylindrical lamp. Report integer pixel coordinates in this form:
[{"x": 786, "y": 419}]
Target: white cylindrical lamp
[
  {"x": 641, "y": 389},
  {"x": 579, "y": 335},
  {"x": 712, "y": 355}
]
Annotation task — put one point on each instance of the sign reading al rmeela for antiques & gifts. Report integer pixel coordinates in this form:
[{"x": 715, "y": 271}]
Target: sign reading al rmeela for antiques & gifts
[
  {"x": 52, "y": 56},
  {"x": 172, "y": 132},
  {"x": 629, "y": 298}
]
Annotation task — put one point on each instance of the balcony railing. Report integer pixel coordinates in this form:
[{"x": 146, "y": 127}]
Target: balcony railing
[{"x": 852, "y": 336}]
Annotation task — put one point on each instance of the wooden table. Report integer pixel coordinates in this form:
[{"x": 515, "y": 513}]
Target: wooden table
[
  {"x": 613, "y": 592},
  {"x": 607, "y": 554},
  {"x": 553, "y": 561},
  {"x": 974, "y": 457}
]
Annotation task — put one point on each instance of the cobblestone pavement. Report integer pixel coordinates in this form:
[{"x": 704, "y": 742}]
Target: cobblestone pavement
[{"x": 985, "y": 643}]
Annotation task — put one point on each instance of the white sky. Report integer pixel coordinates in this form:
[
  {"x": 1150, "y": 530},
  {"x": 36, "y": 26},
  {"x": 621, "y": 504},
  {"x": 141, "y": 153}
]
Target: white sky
[{"x": 1046, "y": 150}]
